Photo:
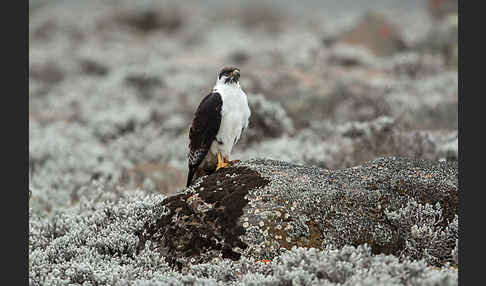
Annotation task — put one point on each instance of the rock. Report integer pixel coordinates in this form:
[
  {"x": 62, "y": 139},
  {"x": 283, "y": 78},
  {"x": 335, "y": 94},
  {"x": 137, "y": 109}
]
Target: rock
[
  {"x": 376, "y": 33},
  {"x": 259, "y": 207},
  {"x": 96, "y": 245},
  {"x": 212, "y": 214},
  {"x": 441, "y": 8}
]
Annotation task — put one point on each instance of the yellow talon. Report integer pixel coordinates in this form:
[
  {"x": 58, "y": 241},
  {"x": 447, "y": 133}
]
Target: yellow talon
[{"x": 221, "y": 164}]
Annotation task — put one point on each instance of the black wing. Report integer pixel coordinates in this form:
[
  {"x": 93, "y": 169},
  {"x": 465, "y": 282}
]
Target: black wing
[{"x": 205, "y": 126}]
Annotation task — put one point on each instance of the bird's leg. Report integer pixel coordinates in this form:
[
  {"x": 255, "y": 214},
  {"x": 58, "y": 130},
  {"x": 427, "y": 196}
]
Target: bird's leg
[
  {"x": 221, "y": 164},
  {"x": 232, "y": 162}
]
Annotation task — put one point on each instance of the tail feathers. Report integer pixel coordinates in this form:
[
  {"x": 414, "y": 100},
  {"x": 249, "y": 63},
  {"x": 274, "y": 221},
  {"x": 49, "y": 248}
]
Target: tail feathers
[{"x": 190, "y": 175}]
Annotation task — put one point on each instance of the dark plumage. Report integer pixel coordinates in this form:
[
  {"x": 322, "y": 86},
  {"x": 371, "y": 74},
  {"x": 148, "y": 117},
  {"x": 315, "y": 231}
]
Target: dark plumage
[
  {"x": 217, "y": 125},
  {"x": 205, "y": 126}
]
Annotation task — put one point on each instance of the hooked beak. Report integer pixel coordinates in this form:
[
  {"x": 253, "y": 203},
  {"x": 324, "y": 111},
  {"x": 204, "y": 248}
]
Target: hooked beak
[{"x": 233, "y": 77}]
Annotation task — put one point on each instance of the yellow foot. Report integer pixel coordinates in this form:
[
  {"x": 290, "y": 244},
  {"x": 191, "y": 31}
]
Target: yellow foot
[{"x": 221, "y": 164}]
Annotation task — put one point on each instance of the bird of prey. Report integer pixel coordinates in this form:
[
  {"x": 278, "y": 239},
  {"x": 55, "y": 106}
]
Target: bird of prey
[{"x": 218, "y": 123}]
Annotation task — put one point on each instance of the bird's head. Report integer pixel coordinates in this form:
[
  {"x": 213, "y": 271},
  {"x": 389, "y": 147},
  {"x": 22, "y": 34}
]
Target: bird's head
[{"x": 229, "y": 75}]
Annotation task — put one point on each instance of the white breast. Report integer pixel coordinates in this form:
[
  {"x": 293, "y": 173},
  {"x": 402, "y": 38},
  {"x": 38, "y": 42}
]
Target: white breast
[{"x": 235, "y": 114}]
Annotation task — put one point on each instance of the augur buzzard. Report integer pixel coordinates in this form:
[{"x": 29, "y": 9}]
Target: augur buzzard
[{"x": 218, "y": 123}]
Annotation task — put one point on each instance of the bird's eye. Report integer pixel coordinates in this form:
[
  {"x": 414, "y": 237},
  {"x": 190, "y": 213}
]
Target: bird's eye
[{"x": 227, "y": 72}]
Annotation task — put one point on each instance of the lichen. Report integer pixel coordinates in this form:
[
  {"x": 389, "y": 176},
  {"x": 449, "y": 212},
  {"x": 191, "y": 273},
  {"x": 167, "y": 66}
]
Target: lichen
[{"x": 206, "y": 220}]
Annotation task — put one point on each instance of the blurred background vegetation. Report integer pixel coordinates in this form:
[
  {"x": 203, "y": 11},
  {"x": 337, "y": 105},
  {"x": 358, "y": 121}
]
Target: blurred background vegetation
[{"x": 113, "y": 86}]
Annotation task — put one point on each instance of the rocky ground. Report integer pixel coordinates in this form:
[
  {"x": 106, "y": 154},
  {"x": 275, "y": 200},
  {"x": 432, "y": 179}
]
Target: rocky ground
[{"x": 112, "y": 89}]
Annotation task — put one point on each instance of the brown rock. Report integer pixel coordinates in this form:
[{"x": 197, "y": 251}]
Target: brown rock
[
  {"x": 258, "y": 207},
  {"x": 441, "y": 8},
  {"x": 376, "y": 33}
]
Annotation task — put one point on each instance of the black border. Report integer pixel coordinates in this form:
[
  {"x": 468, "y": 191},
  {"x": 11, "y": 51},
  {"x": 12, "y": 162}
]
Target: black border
[
  {"x": 15, "y": 195},
  {"x": 463, "y": 171},
  {"x": 15, "y": 80}
]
